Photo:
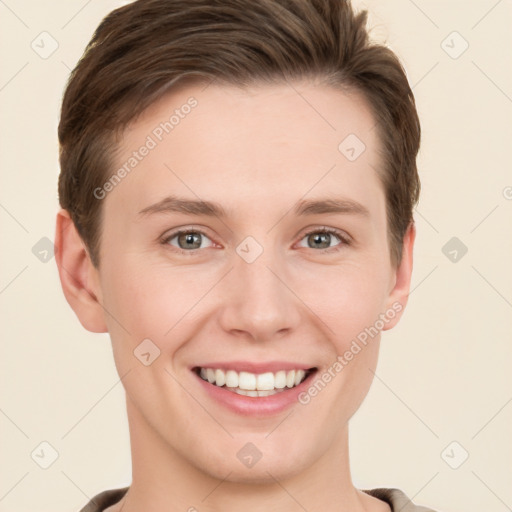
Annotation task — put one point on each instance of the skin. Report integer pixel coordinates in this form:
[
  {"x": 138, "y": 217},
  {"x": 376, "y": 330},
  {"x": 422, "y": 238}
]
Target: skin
[{"x": 257, "y": 152}]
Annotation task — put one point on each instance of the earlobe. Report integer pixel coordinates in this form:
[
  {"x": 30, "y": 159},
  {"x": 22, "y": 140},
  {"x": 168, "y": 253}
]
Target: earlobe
[
  {"x": 399, "y": 294},
  {"x": 77, "y": 274}
]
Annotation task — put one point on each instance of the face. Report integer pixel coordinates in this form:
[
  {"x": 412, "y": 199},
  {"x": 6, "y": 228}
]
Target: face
[{"x": 246, "y": 239}]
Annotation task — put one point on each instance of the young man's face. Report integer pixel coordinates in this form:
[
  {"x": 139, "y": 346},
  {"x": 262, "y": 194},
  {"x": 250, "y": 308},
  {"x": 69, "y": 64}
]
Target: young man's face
[{"x": 260, "y": 286}]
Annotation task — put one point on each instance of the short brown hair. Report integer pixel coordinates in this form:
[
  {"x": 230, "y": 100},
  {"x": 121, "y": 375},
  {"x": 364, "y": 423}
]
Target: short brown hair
[{"x": 141, "y": 50}]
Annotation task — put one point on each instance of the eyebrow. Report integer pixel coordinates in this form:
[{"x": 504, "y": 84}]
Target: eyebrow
[{"x": 209, "y": 208}]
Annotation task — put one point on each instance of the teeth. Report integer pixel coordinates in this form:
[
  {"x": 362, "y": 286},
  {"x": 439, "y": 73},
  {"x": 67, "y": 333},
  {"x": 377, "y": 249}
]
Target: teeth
[
  {"x": 231, "y": 379},
  {"x": 246, "y": 381},
  {"x": 250, "y": 384},
  {"x": 220, "y": 378}
]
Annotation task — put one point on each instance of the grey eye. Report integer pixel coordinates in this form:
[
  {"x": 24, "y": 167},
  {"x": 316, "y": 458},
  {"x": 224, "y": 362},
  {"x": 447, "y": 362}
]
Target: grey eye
[
  {"x": 321, "y": 240},
  {"x": 189, "y": 240}
]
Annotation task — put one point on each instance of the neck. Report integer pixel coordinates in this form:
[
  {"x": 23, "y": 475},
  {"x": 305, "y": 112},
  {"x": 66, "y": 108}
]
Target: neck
[{"x": 163, "y": 480}]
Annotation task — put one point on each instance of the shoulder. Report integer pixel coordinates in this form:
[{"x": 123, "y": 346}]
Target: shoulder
[
  {"x": 104, "y": 499},
  {"x": 397, "y": 500}
]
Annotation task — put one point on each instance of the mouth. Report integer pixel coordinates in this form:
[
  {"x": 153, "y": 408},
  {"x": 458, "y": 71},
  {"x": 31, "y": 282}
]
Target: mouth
[{"x": 254, "y": 385}]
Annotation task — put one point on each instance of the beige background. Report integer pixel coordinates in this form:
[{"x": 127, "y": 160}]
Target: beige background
[{"x": 444, "y": 371}]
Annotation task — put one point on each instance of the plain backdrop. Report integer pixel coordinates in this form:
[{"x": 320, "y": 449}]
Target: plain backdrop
[{"x": 442, "y": 390}]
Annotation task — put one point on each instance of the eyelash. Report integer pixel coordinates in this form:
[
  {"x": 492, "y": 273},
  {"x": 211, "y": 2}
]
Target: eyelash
[{"x": 339, "y": 234}]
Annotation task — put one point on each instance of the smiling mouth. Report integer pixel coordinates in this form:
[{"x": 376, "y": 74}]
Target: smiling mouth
[{"x": 252, "y": 384}]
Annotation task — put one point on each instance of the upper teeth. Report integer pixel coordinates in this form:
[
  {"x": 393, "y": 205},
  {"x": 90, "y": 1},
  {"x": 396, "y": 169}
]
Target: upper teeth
[{"x": 252, "y": 381}]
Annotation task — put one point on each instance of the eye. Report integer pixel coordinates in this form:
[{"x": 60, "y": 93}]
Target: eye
[
  {"x": 323, "y": 239},
  {"x": 188, "y": 240}
]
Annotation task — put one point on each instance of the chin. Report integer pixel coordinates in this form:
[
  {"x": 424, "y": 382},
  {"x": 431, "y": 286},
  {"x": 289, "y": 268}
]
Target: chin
[{"x": 266, "y": 470}]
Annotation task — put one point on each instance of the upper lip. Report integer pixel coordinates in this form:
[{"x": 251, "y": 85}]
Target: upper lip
[{"x": 253, "y": 367}]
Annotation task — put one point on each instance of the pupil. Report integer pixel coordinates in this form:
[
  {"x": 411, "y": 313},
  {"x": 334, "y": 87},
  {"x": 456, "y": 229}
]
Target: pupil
[
  {"x": 190, "y": 239},
  {"x": 323, "y": 239}
]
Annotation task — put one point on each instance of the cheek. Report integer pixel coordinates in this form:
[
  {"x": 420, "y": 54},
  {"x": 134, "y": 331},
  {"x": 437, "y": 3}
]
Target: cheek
[
  {"x": 347, "y": 299},
  {"x": 139, "y": 307},
  {"x": 155, "y": 302}
]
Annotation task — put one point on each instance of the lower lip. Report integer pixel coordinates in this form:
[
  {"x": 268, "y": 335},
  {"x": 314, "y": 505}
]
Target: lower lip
[{"x": 255, "y": 406}]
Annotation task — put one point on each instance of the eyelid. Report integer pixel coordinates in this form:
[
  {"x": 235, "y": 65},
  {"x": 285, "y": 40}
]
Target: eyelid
[
  {"x": 165, "y": 239},
  {"x": 345, "y": 238}
]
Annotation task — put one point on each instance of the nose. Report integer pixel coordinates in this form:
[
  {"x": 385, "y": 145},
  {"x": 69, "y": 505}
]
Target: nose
[{"x": 257, "y": 302}]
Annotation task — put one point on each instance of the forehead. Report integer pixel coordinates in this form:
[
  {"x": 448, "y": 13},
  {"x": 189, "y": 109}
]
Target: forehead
[{"x": 259, "y": 143}]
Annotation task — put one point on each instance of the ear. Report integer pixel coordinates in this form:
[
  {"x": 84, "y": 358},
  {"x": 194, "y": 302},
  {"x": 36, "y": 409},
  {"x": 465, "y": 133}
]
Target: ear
[
  {"x": 78, "y": 276},
  {"x": 399, "y": 293}
]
